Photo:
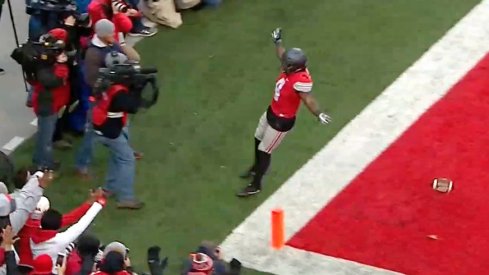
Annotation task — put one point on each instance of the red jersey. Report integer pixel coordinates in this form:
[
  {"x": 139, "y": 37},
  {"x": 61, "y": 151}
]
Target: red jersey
[{"x": 286, "y": 100}]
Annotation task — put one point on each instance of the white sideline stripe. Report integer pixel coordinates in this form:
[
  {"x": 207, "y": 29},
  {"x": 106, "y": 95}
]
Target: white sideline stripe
[
  {"x": 34, "y": 122},
  {"x": 13, "y": 143},
  {"x": 356, "y": 145}
]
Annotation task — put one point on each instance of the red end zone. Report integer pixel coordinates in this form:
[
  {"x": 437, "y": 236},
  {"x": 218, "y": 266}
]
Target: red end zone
[{"x": 384, "y": 216}]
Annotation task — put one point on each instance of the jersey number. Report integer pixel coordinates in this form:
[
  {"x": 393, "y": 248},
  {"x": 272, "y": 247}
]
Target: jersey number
[{"x": 278, "y": 88}]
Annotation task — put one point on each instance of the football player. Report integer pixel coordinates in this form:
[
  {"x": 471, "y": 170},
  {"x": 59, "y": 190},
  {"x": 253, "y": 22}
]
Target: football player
[{"x": 293, "y": 85}]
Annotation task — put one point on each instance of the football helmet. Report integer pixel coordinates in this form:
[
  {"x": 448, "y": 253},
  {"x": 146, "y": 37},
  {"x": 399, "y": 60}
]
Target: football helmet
[{"x": 294, "y": 60}]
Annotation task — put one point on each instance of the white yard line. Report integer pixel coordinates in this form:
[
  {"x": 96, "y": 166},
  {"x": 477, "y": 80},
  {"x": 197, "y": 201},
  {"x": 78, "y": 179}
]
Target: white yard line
[
  {"x": 13, "y": 143},
  {"x": 360, "y": 142}
]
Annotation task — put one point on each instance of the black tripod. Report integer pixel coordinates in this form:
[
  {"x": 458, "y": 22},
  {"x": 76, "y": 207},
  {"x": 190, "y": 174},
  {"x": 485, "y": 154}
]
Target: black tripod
[{"x": 17, "y": 44}]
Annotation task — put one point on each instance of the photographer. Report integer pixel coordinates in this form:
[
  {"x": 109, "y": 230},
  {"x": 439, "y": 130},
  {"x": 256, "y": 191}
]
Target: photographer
[
  {"x": 73, "y": 119},
  {"x": 109, "y": 120},
  {"x": 51, "y": 94},
  {"x": 117, "y": 13},
  {"x": 121, "y": 15}
]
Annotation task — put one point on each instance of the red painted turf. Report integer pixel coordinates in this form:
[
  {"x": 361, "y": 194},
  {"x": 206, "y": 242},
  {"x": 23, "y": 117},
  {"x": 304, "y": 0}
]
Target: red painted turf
[{"x": 384, "y": 215}]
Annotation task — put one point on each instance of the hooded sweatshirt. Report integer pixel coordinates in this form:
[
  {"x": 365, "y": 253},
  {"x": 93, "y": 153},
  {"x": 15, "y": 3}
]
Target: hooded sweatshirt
[
  {"x": 51, "y": 242},
  {"x": 33, "y": 225}
]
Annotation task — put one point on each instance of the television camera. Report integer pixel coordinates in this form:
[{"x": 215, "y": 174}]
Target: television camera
[
  {"x": 141, "y": 82},
  {"x": 35, "y": 55}
]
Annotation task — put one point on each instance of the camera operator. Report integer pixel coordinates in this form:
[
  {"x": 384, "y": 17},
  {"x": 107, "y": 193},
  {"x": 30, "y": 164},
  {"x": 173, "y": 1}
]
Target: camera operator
[
  {"x": 109, "y": 119},
  {"x": 102, "y": 43},
  {"x": 51, "y": 93}
]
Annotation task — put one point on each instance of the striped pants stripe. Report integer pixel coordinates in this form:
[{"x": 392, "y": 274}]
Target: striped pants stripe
[{"x": 269, "y": 137}]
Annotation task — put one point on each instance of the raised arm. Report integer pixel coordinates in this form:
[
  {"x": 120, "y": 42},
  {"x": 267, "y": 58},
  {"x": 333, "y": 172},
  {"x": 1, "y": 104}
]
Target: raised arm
[
  {"x": 277, "y": 40},
  {"x": 27, "y": 199}
]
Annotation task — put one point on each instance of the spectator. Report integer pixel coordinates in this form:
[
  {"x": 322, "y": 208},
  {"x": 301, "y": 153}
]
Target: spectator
[
  {"x": 8, "y": 240},
  {"x": 207, "y": 260},
  {"x": 26, "y": 200},
  {"x": 121, "y": 249},
  {"x": 33, "y": 224},
  {"x": 199, "y": 264},
  {"x": 114, "y": 264},
  {"x": 155, "y": 263},
  {"x": 138, "y": 28},
  {"x": 15, "y": 211},
  {"x": 117, "y": 247},
  {"x": 51, "y": 93},
  {"x": 49, "y": 241},
  {"x": 82, "y": 260},
  {"x": 42, "y": 265},
  {"x": 20, "y": 179}
]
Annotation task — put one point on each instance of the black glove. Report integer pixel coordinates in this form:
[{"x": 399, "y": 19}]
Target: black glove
[{"x": 156, "y": 266}]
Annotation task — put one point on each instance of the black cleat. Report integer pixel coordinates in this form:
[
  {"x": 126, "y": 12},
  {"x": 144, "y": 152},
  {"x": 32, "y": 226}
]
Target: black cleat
[{"x": 249, "y": 190}]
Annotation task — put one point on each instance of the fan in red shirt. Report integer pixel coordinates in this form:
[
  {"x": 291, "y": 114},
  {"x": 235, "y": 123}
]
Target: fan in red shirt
[
  {"x": 293, "y": 86},
  {"x": 33, "y": 225}
]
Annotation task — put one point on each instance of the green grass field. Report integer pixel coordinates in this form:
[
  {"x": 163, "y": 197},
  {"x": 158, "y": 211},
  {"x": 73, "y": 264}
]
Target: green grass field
[{"x": 217, "y": 75}]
